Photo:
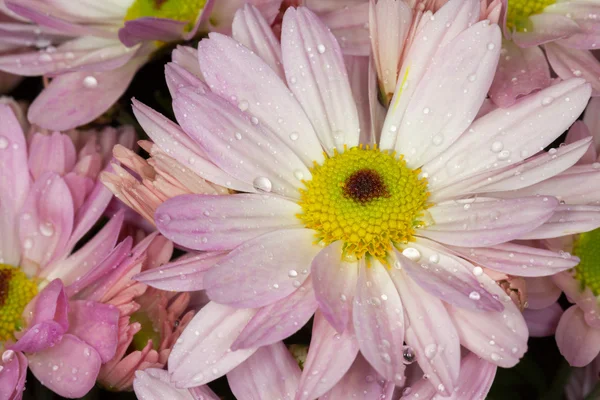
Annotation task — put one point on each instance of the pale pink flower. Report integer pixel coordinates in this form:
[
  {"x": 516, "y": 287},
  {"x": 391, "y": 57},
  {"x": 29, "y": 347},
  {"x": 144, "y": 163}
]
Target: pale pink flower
[
  {"x": 92, "y": 51},
  {"x": 545, "y": 36},
  {"x": 274, "y": 119},
  {"x": 153, "y": 384},
  {"x": 583, "y": 381}
]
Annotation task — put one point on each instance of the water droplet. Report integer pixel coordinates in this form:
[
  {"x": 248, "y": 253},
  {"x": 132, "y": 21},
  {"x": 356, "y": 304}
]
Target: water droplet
[
  {"x": 299, "y": 174},
  {"x": 411, "y": 253},
  {"x": 294, "y": 136},
  {"x": 90, "y": 82},
  {"x": 547, "y": 100},
  {"x": 474, "y": 295},
  {"x": 7, "y": 356},
  {"x": 393, "y": 128},
  {"x": 262, "y": 183},
  {"x": 28, "y": 243},
  {"x": 45, "y": 57},
  {"x": 441, "y": 387},
  {"x": 3, "y": 142},
  {"x": 292, "y": 273},
  {"x": 47, "y": 229},
  {"x": 503, "y": 155},
  {"x": 497, "y": 147},
  {"x": 431, "y": 350},
  {"x": 434, "y": 258},
  {"x": 408, "y": 354},
  {"x": 243, "y": 105},
  {"x": 406, "y": 391},
  {"x": 87, "y": 352},
  {"x": 426, "y": 110},
  {"x": 397, "y": 264},
  {"x": 321, "y": 48},
  {"x": 495, "y": 356},
  {"x": 491, "y": 46},
  {"x": 472, "y": 78},
  {"x": 238, "y": 136},
  {"x": 477, "y": 271}
]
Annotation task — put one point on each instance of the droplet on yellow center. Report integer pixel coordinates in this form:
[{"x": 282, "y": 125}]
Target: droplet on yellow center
[
  {"x": 519, "y": 11},
  {"x": 587, "y": 248},
  {"x": 367, "y": 198},
  {"x": 180, "y": 10},
  {"x": 16, "y": 291}
]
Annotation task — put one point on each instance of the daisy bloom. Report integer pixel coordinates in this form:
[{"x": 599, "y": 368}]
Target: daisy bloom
[
  {"x": 543, "y": 36},
  {"x": 92, "y": 51},
  {"x": 578, "y": 329},
  {"x": 389, "y": 235}
]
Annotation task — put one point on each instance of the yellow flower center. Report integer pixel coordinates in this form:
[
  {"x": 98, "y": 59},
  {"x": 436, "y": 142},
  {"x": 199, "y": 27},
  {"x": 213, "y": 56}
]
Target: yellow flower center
[
  {"x": 367, "y": 198},
  {"x": 587, "y": 248},
  {"x": 519, "y": 11},
  {"x": 16, "y": 291},
  {"x": 180, "y": 10}
]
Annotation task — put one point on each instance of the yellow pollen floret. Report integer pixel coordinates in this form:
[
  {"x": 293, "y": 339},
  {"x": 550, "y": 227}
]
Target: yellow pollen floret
[
  {"x": 367, "y": 198},
  {"x": 587, "y": 272},
  {"x": 180, "y": 10},
  {"x": 519, "y": 11},
  {"x": 16, "y": 291}
]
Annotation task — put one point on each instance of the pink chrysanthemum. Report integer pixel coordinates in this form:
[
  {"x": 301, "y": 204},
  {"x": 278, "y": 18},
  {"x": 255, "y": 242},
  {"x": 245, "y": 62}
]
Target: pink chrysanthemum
[
  {"x": 543, "y": 36},
  {"x": 382, "y": 225}
]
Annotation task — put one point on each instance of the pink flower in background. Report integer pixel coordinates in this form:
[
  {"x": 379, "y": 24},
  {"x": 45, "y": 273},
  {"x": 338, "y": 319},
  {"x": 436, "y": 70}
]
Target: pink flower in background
[
  {"x": 358, "y": 232},
  {"x": 545, "y": 36},
  {"x": 583, "y": 381},
  {"x": 92, "y": 51}
]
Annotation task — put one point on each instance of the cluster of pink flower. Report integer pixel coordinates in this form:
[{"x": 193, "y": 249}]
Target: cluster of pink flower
[{"x": 379, "y": 173}]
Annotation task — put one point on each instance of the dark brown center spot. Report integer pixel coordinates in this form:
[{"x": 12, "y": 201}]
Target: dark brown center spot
[
  {"x": 5, "y": 276},
  {"x": 365, "y": 185}
]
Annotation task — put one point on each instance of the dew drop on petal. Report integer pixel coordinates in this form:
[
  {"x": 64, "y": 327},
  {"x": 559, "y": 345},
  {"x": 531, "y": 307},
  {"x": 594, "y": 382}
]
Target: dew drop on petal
[
  {"x": 238, "y": 136},
  {"x": 321, "y": 48},
  {"x": 294, "y": 136},
  {"x": 47, "y": 229},
  {"x": 431, "y": 350},
  {"x": 292, "y": 273},
  {"x": 90, "y": 82},
  {"x": 547, "y": 100},
  {"x": 243, "y": 105},
  {"x": 411, "y": 253},
  {"x": 477, "y": 271},
  {"x": 497, "y": 147},
  {"x": 3, "y": 142},
  {"x": 408, "y": 355},
  {"x": 491, "y": 46},
  {"x": 262, "y": 183},
  {"x": 474, "y": 295}
]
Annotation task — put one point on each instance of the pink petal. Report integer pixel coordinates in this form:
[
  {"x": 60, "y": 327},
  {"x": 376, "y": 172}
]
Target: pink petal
[
  {"x": 171, "y": 139},
  {"x": 483, "y": 222},
  {"x": 578, "y": 342},
  {"x": 476, "y": 378},
  {"x": 379, "y": 321},
  {"x": 584, "y": 297},
  {"x": 335, "y": 283},
  {"x": 252, "y": 30},
  {"x": 46, "y": 220},
  {"x": 506, "y": 136},
  {"x": 445, "y": 276},
  {"x": 12, "y": 378},
  {"x": 330, "y": 355},
  {"x": 541, "y": 292},
  {"x": 183, "y": 275},
  {"x": 154, "y": 384},
  {"x": 547, "y": 27},
  {"x": 349, "y": 25},
  {"x": 14, "y": 183},
  {"x": 187, "y": 58},
  {"x": 208, "y": 337},
  {"x": 280, "y": 319},
  {"x": 149, "y": 28},
  {"x": 433, "y": 119},
  {"x": 498, "y": 337},
  {"x": 214, "y": 223},
  {"x": 250, "y": 83},
  {"x": 543, "y": 322},
  {"x": 270, "y": 373},
  {"x": 451, "y": 19},
  {"x": 178, "y": 77},
  {"x": 97, "y": 325},
  {"x": 69, "y": 368},
  {"x": 360, "y": 383},
  {"x": 315, "y": 71},
  {"x": 519, "y": 260},
  {"x": 76, "y": 98},
  {"x": 262, "y": 270},
  {"x": 237, "y": 145},
  {"x": 567, "y": 220},
  {"x": 569, "y": 62},
  {"x": 41, "y": 336},
  {"x": 430, "y": 332},
  {"x": 51, "y": 153},
  {"x": 51, "y": 304},
  {"x": 521, "y": 71},
  {"x": 363, "y": 81},
  {"x": 591, "y": 118},
  {"x": 579, "y": 131}
]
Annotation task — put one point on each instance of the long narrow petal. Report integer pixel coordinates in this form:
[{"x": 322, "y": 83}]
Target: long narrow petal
[
  {"x": 433, "y": 118},
  {"x": 154, "y": 384},
  {"x": 279, "y": 320},
  {"x": 315, "y": 71},
  {"x": 330, "y": 355},
  {"x": 483, "y": 222},
  {"x": 183, "y": 275},
  {"x": 521, "y": 71},
  {"x": 69, "y": 368},
  {"x": 335, "y": 282},
  {"x": 360, "y": 383},
  {"x": 498, "y": 337},
  {"x": 14, "y": 183},
  {"x": 208, "y": 337},
  {"x": 580, "y": 131},
  {"x": 238, "y": 144},
  {"x": 149, "y": 29},
  {"x": 214, "y": 223},
  {"x": 379, "y": 321},
  {"x": 14, "y": 372},
  {"x": 519, "y": 260},
  {"x": 430, "y": 332},
  {"x": 51, "y": 153},
  {"x": 567, "y": 220},
  {"x": 445, "y": 276},
  {"x": 578, "y": 342},
  {"x": 270, "y": 373},
  {"x": 476, "y": 378},
  {"x": 252, "y": 85},
  {"x": 507, "y": 136},
  {"x": 272, "y": 267},
  {"x": 569, "y": 62}
]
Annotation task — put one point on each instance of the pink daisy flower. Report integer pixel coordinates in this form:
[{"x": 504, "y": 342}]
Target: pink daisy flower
[
  {"x": 360, "y": 232},
  {"x": 93, "y": 51},
  {"x": 543, "y": 36}
]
